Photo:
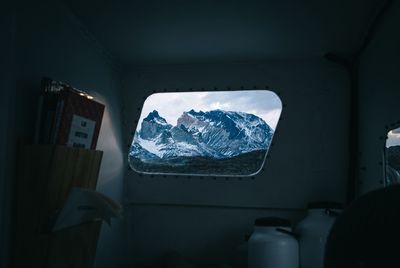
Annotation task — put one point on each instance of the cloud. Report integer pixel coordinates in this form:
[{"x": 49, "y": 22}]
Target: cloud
[
  {"x": 393, "y": 138},
  {"x": 262, "y": 103}
]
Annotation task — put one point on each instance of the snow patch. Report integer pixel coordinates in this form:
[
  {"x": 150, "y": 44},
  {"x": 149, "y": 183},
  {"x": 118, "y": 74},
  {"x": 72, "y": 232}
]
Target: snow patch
[{"x": 151, "y": 147}]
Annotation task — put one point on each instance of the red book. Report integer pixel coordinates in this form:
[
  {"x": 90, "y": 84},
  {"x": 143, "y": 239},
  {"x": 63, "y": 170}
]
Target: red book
[{"x": 77, "y": 119}]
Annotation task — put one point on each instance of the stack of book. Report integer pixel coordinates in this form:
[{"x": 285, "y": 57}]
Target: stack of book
[{"x": 67, "y": 116}]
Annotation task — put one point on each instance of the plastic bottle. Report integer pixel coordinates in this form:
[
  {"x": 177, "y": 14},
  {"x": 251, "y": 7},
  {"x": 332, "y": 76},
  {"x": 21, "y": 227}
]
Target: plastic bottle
[
  {"x": 313, "y": 231},
  {"x": 273, "y": 245}
]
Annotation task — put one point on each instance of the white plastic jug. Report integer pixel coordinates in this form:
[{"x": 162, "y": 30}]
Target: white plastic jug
[
  {"x": 273, "y": 245},
  {"x": 313, "y": 231}
]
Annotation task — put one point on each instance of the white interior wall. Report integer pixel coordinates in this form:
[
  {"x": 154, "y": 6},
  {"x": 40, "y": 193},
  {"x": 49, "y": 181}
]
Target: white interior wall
[
  {"x": 51, "y": 42},
  {"x": 7, "y": 90},
  {"x": 49, "y": 46},
  {"x": 308, "y": 160},
  {"x": 207, "y": 217},
  {"x": 206, "y": 236},
  {"x": 379, "y": 97}
]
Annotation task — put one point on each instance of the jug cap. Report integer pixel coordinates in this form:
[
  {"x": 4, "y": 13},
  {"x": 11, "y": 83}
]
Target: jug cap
[
  {"x": 325, "y": 204},
  {"x": 272, "y": 222}
]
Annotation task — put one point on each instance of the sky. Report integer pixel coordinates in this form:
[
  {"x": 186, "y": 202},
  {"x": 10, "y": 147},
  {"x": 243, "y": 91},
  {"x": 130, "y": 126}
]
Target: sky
[
  {"x": 262, "y": 103},
  {"x": 393, "y": 138}
]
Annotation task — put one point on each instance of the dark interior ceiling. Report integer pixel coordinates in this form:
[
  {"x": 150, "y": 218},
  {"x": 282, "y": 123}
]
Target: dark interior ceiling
[{"x": 174, "y": 32}]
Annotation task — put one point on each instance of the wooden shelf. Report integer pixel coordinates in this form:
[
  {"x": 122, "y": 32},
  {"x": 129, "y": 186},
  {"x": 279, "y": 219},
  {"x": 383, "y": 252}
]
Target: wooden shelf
[{"x": 45, "y": 175}]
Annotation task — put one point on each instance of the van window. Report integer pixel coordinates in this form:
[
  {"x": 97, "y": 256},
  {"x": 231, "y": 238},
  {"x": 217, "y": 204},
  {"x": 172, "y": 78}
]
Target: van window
[
  {"x": 392, "y": 157},
  {"x": 215, "y": 133}
]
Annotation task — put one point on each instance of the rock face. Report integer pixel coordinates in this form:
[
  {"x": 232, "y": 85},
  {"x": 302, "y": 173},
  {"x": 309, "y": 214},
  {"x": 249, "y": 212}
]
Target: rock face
[
  {"x": 214, "y": 134},
  {"x": 153, "y": 125}
]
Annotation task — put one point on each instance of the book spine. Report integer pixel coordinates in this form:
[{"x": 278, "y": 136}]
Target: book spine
[
  {"x": 49, "y": 105},
  {"x": 100, "y": 112},
  {"x": 57, "y": 120}
]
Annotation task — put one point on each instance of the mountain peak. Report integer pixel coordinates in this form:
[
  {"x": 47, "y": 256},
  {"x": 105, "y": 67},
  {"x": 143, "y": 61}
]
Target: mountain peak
[
  {"x": 152, "y": 115},
  {"x": 153, "y": 125},
  {"x": 155, "y": 117},
  {"x": 193, "y": 112},
  {"x": 214, "y": 133}
]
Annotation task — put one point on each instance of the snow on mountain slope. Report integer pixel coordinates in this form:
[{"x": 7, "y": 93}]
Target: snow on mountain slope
[{"x": 218, "y": 134}]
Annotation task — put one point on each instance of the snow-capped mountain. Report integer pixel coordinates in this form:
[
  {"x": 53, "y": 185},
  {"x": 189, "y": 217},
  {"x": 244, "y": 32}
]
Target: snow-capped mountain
[
  {"x": 153, "y": 125},
  {"x": 216, "y": 134}
]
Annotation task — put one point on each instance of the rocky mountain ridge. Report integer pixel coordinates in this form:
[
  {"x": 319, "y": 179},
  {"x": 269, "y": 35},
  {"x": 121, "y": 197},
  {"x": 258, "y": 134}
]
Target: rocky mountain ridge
[{"x": 215, "y": 134}]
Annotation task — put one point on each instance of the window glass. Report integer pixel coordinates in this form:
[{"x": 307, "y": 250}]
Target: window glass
[
  {"x": 392, "y": 157},
  {"x": 220, "y": 133}
]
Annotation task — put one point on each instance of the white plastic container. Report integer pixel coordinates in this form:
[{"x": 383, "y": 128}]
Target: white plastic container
[
  {"x": 272, "y": 245},
  {"x": 313, "y": 231}
]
